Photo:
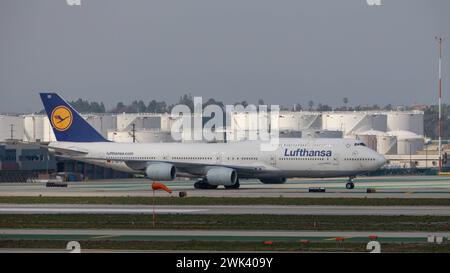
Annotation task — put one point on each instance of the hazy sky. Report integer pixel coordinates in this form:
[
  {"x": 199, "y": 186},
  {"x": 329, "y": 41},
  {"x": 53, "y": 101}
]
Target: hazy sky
[{"x": 280, "y": 50}]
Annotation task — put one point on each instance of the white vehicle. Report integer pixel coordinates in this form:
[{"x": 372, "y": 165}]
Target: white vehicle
[{"x": 214, "y": 163}]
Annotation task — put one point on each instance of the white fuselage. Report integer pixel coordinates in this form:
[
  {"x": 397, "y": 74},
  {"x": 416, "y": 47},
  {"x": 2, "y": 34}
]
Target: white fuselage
[{"x": 291, "y": 158}]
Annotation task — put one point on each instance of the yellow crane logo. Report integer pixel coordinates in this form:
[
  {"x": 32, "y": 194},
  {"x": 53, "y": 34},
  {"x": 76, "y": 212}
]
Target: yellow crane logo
[{"x": 61, "y": 118}]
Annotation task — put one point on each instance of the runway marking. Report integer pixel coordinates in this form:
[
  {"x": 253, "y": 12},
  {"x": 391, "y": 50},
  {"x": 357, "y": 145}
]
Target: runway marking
[
  {"x": 334, "y": 238},
  {"x": 104, "y": 236},
  {"x": 206, "y": 238},
  {"x": 96, "y": 210},
  {"x": 230, "y": 210}
]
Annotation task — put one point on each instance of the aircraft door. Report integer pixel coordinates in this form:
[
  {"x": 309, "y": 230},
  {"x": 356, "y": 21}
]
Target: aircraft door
[
  {"x": 335, "y": 159},
  {"x": 273, "y": 160},
  {"x": 220, "y": 157},
  {"x": 269, "y": 158}
]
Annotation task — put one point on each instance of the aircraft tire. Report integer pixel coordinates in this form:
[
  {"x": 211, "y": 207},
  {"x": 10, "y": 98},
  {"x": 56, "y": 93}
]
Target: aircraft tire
[
  {"x": 350, "y": 186},
  {"x": 201, "y": 184}
]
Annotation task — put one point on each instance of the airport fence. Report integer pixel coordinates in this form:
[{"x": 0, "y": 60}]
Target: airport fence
[
  {"x": 13, "y": 176},
  {"x": 408, "y": 171}
]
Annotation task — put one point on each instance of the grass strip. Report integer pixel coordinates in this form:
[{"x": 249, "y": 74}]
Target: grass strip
[
  {"x": 229, "y": 222},
  {"x": 285, "y": 201},
  {"x": 59, "y": 245}
]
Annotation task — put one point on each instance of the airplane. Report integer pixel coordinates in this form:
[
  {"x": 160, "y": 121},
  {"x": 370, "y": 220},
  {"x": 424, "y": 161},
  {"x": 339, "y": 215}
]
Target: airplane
[{"x": 214, "y": 164}]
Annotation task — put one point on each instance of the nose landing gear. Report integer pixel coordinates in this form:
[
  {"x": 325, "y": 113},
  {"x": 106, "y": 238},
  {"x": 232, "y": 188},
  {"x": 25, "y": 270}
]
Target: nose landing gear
[{"x": 350, "y": 185}]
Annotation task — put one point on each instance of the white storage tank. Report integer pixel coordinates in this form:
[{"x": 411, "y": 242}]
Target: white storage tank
[
  {"x": 379, "y": 141},
  {"x": 124, "y": 120},
  {"x": 166, "y": 122},
  {"x": 288, "y": 121},
  {"x": 102, "y": 122},
  {"x": 296, "y": 121},
  {"x": 49, "y": 135},
  {"x": 11, "y": 126},
  {"x": 37, "y": 127},
  {"x": 387, "y": 145},
  {"x": 311, "y": 133},
  {"x": 246, "y": 121},
  {"x": 370, "y": 138},
  {"x": 33, "y": 127},
  {"x": 141, "y": 136},
  {"x": 309, "y": 120},
  {"x": 248, "y": 126},
  {"x": 141, "y": 121},
  {"x": 405, "y": 121},
  {"x": 352, "y": 123},
  {"x": 407, "y": 142},
  {"x": 183, "y": 125}
]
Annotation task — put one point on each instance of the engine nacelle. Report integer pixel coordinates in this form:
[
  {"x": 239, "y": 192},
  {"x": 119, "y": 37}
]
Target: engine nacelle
[
  {"x": 161, "y": 171},
  {"x": 274, "y": 180},
  {"x": 221, "y": 176}
]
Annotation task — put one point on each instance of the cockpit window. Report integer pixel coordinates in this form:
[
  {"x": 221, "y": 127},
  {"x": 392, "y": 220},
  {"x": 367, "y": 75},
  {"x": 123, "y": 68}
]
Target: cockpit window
[{"x": 360, "y": 144}]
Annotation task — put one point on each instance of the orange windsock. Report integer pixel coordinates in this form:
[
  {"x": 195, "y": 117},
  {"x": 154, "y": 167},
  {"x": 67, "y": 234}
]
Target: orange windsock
[{"x": 160, "y": 186}]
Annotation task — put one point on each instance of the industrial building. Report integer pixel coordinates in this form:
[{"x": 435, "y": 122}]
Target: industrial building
[
  {"x": 397, "y": 134},
  {"x": 21, "y": 162}
]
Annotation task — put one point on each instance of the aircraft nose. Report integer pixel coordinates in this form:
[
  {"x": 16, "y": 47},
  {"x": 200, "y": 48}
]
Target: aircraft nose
[{"x": 381, "y": 160}]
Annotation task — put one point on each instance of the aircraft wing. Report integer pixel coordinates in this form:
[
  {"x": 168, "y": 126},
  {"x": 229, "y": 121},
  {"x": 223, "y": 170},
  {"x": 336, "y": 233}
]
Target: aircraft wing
[
  {"x": 201, "y": 168},
  {"x": 66, "y": 151}
]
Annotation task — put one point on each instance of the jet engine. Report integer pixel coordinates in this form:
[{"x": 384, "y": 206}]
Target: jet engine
[
  {"x": 161, "y": 171},
  {"x": 221, "y": 176}
]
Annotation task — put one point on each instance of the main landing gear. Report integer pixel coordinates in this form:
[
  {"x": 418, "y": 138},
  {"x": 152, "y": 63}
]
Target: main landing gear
[
  {"x": 350, "y": 185},
  {"x": 204, "y": 185}
]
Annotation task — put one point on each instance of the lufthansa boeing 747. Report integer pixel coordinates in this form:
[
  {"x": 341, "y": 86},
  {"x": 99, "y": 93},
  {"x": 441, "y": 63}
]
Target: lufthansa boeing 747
[{"x": 213, "y": 163}]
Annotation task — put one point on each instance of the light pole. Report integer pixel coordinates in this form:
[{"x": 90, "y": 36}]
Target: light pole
[
  {"x": 439, "y": 39},
  {"x": 12, "y": 131}
]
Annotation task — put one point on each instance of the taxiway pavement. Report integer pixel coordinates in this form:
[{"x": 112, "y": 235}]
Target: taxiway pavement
[{"x": 225, "y": 210}]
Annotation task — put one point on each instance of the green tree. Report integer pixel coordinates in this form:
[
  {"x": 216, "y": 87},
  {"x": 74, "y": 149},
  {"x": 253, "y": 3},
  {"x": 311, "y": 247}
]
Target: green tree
[
  {"x": 141, "y": 107},
  {"x": 187, "y": 100},
  {"x": 84, "y": 106},
  {"x": 297, "y": 107},
  {"x": 120, "y": 108}
]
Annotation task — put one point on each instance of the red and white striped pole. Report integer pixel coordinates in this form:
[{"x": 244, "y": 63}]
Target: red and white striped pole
[{"x": 439, "y": 39}]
